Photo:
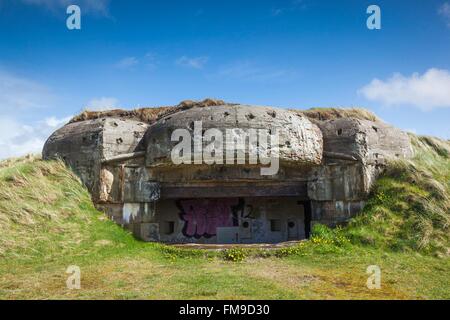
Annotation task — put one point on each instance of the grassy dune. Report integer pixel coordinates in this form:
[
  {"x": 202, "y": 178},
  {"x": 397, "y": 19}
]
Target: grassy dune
[
  {"x": 409, "y": 208},
  {"x": 47, "y": 223}
]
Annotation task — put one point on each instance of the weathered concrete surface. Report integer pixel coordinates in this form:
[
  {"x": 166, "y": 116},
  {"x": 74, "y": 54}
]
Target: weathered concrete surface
[
  {"x": 355, "y": 152},
  {"x": 231, "y": 220},
  {"x": 84, "y": 145},
  {"x": 300, "y": 141},
  {"x": 328, "y": 163},
  {"x": 80, "y": 146},
  {"x": 221, "y": 247},
  {"x": 369, "y": 142}
]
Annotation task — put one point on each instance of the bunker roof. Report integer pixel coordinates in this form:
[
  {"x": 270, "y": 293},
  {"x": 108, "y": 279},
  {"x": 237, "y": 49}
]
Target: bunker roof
[{"x": 153, "y": 114}]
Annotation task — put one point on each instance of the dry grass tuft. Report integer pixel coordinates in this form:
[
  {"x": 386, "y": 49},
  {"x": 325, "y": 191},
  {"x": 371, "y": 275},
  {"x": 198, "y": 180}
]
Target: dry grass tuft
[
  {"x": 152, "y": 114},
  {"x": 323, "y": 114},
  {"x": 440, "y": 147},
  {"x": 148, "y": 115}
]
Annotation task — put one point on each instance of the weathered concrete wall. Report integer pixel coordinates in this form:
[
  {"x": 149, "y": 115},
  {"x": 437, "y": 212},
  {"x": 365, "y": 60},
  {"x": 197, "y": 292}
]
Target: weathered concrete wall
[
  {"x": 213, "y": 220},
  {"x": 326, "y": 171},
  {"x": 300, "y": 141},
  {"x": 338, "y": 182},
  {"x": 367, "y": 141},
  {"x": 223, "y": 220},
  {"x": 80, "y": 146},
  {"x": 355, "y": 152},
  {"x": 125, "y": 182},
  {"x": 85, "y": 145},
  {"x": 122, "y": 136},
  {"x": 333, "y": 213}
]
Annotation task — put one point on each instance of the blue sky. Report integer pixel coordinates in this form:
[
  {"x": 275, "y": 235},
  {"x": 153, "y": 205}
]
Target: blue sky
[{"x": 293, "y": 53}]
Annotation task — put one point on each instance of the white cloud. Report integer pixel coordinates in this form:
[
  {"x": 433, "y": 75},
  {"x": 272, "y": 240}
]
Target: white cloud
[
  {"x": 87, "y": 6},
  {"x": 18, "y": 139},
  {"x": 127, "y": 62},
  {"x": 151, "y": 60},
  {"x": 289, "y": 7},
  {"x": 196, "y": 62},
  {"x": 103, "y": 103},
  {"x": 17, "y": 93},
  {"x": 428, "y": 91},
  {"x": 277, "y": 11},
  {"x": 444, "y": 11},
  {"x": 19, "y": 96},
  {"x": 53, "y": 122}
]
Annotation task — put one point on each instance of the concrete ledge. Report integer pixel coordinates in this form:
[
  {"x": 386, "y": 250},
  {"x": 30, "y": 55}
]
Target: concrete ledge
[{"x": 221, "y": 247}]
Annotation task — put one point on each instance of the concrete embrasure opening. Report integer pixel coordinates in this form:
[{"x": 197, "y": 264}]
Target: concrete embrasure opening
[{"x": 246, "y": 220}]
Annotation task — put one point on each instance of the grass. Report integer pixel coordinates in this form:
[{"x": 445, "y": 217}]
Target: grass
[
  {"x": 148, "y": 115},
  {"x": 152, "y": 114},
  {"x": 323, "y": 114},
  {"x": 409, "y": 207},
  {"x": 47, "y": 223}
]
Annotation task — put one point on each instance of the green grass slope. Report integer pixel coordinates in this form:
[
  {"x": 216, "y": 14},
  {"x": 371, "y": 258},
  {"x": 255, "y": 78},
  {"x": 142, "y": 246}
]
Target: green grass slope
[
  {"x": 47, "y": 223},
  {"x": 409, "y": 207}
]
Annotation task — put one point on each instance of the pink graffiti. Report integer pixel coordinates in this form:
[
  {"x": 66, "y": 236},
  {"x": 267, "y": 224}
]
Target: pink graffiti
[{"x": 203, "y": 216}]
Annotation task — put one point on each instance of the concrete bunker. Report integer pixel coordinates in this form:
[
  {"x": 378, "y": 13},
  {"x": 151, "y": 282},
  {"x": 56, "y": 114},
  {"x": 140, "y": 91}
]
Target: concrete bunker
[{"x": 326, "y": 168}]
